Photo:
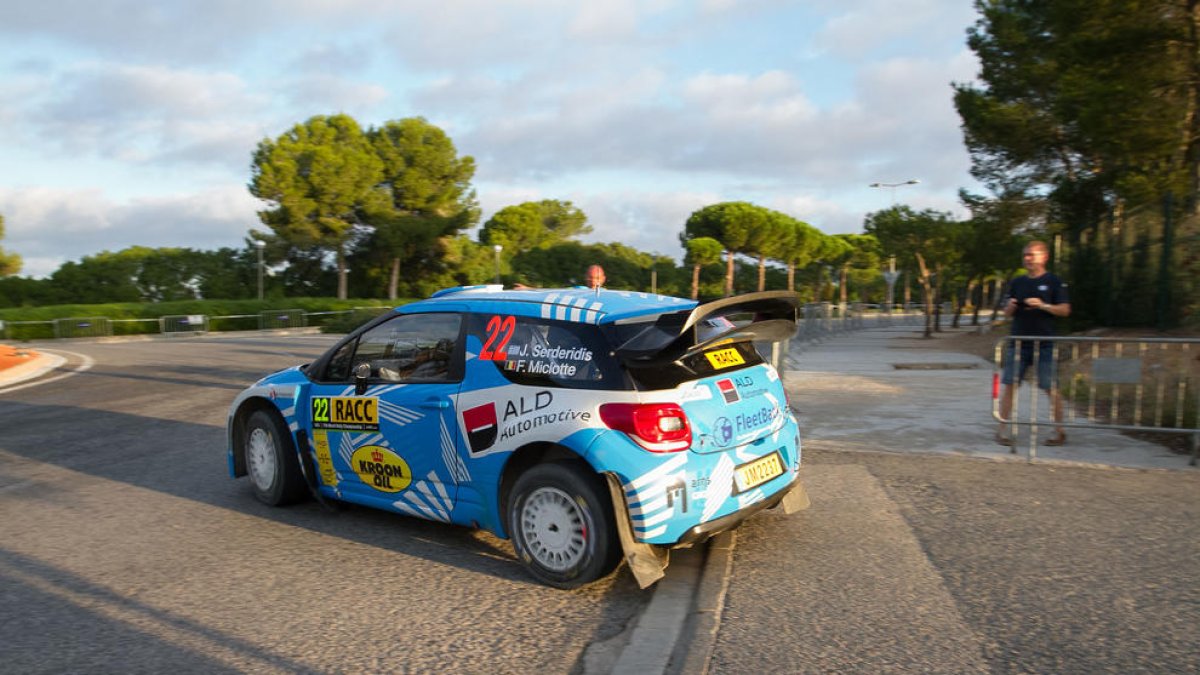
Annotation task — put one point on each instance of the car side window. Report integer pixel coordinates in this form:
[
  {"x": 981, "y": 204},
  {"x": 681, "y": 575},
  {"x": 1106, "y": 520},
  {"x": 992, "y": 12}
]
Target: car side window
[
  {"x": 408, "y": 348},
  {"x": 547, "y": 353}
]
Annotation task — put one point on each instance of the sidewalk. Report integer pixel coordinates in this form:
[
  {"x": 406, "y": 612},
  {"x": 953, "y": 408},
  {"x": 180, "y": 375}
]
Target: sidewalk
[{"x": 876, "y": 390}]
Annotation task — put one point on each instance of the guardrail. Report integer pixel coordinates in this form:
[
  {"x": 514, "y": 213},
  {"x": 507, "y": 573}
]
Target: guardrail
[
  {"x": 820, "y": 320},
  {"x": 172, "y": 325},
  {"x": 1124, "y": 384},
  {"x": 823, "y": 320}
]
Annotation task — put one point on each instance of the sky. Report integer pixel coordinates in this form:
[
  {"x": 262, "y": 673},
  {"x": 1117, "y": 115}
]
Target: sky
[{"x": 125, "y": 122}]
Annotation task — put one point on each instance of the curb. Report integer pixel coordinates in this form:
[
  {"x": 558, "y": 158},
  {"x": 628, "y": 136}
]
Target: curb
[
  {"x": 40, "y": 365},
  {"x": 693, "y": 652}
]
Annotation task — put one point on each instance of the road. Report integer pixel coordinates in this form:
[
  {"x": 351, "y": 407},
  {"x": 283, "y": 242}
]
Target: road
[
  {"x": 943, "y": 564},
  {"x": 124, "y": 547}
]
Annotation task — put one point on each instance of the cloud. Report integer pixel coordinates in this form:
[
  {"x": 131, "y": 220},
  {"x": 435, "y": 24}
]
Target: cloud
[
  {"x": 142, "y": 114},
  {"x": 863, "y": 29},
  {"x": 639, "y": 112},
  {"x": 176, "y": 32},
  {"x": 48, "y": 227}
]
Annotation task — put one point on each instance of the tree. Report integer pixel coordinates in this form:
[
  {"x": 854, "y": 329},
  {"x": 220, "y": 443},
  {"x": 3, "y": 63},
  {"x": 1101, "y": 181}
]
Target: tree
[
  {"x": 863, "y": 253},
  {"x": 990, "y": 246},
  {"x": 534, "y": 225},
  {"x": 927, "y": 237},
  {"x": 799, "y": 242},
  {"x": 1086, "y": 105},
  {"x": 737, "y": 225},
  {"x": 427, "y": 195},
  {"x": 318, "y": 178},
  {"x": 701, "y": 251},
  {"x": 10, "y": 263},
  {"x": 829, "y": 253}
]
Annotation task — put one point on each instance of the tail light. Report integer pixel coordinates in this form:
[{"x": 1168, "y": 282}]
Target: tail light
[{"x": 657, "y": 427}]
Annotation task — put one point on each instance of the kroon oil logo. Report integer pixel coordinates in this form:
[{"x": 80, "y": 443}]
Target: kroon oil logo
[{"x": 381, "y": 468}]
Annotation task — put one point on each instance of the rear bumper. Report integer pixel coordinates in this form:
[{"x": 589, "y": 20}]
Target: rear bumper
[{"x": 704, "y": 531}]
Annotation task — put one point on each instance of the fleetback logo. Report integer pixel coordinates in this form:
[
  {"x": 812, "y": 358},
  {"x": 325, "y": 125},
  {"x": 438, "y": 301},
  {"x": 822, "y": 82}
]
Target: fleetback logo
[
  {"x": 381, "y": 468},
  {"x": 724, "y": 431},
  {"x": 759, "y": 418}
]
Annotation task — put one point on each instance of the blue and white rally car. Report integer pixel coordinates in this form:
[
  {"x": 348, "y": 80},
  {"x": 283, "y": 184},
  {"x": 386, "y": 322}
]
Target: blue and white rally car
[{"x": 586, "y": 425}]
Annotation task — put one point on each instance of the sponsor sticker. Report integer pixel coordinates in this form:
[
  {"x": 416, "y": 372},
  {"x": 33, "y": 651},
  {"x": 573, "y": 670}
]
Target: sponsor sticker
[
  {"x": 381, "y": 468},
  {"x": 480, "y": 422},
  {"x": 346, "y": 413},
  {"x": 324, "y": 458},
  {"x": 728, "y": 390},
  {"x": 724, "y": 358},
  {"x": 723, "y": 431}
]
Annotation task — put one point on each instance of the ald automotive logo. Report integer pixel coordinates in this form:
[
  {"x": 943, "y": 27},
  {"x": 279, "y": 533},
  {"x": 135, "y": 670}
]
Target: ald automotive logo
[{"x": 481, "y": 426}]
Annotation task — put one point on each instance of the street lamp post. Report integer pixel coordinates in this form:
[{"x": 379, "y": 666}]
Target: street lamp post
[
  {"x": 260, "y": 245},
  {"x": 890, "y": 277},
  {"x": 893, "y": 186},
  {"x": 497, "y": 248}
]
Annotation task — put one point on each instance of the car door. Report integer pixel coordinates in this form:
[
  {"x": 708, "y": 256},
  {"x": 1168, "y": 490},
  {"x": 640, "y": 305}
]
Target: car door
[{"x": 392, "y": 446}]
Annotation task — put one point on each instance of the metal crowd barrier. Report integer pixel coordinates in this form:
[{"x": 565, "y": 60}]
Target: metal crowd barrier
[
  {"x": 823, "y": 320},
  {"x": 1124, "y": 384}
]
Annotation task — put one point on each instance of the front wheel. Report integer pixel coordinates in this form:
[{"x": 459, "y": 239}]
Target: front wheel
[
  {"x": 561, "y": 523},
  {"x": 271, "y": 460}
]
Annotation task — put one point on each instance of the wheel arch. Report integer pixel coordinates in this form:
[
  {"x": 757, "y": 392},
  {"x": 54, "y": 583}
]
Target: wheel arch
[
  {"x": 237, "y": 429},
  {"x": 528, "y": 456}
]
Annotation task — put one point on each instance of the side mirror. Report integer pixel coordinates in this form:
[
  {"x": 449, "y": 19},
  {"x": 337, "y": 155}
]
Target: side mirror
[{"x": 361, "y": 372}]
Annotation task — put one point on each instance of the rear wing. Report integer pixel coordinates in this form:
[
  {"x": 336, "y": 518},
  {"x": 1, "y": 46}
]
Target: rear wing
[{"x": 768, "y": 315}]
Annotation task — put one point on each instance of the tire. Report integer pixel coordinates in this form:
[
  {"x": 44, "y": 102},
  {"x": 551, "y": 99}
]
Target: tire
[
  {"x": 560, "y": 519},
  {"x": 271, "y": 460}
]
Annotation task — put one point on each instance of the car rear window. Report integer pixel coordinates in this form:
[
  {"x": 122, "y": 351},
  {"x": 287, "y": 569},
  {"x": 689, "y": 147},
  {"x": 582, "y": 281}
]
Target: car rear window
[
  {"x": 660, "y": 331},
  {"x": 725, "y": 357},
  {"x": 548, "y": 353}
]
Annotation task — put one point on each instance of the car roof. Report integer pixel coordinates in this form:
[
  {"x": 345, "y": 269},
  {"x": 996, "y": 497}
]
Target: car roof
[{"x": 578, "y": 304}]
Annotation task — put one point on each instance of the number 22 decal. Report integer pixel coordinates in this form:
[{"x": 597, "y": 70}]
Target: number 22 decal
[
  {"x": 499, "y": 332},
  {"x": 320, "y": 409}
]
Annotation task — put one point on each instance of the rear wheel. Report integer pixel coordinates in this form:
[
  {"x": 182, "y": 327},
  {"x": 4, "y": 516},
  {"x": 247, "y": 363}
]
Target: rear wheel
[
  {"x": 271, "y": 460},
  {"x": 561, "y": 522}
]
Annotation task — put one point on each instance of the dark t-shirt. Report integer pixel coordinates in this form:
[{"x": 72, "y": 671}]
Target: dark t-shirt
[{"x": 1030, "y": 321}]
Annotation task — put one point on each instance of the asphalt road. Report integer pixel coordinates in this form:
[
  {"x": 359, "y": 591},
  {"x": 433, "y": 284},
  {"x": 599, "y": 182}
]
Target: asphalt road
[
  {"x": 125, "y": 547},
  {"x": 943, "y": 564}
]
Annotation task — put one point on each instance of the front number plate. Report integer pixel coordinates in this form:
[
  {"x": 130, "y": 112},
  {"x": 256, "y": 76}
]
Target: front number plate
[
  {"x": 724, "y": 358},
  {"x": 755, "y": 473}
]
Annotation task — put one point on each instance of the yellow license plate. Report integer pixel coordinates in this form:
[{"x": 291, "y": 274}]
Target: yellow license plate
[
  {"x": 757, "y": 472},
  {"x": 724, "y": 358}
]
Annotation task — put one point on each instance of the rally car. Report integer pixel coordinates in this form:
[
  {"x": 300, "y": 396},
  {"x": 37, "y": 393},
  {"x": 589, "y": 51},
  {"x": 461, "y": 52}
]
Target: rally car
[{"x": 589, "y": 426}]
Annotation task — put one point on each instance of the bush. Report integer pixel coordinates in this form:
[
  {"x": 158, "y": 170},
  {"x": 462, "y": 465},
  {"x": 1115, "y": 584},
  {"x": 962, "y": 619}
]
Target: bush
[
  {"x": 134, "y": 318},
  {"x": 344, "y": 323}
]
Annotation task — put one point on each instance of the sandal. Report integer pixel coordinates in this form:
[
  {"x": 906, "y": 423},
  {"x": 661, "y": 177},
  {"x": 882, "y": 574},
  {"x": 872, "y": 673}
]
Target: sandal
[
  {"x": 1057, "y": 439},
  {"x": 1003, "y": 440}
]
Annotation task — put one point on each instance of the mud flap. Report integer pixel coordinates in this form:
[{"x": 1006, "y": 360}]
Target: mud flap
[
  {"x": 796, "y": 499},
  {"x": 305, "y": 455},
  {"x": 647, "y": 561}
]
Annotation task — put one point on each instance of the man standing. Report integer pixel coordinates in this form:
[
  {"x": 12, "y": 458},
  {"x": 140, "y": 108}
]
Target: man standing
[
  {"x": 1034, "y": 301},
  {"x": 595, "y": 276}
]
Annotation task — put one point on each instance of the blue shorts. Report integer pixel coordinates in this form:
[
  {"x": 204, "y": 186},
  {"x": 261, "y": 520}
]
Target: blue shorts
[{"x": 1045, "y": 361}]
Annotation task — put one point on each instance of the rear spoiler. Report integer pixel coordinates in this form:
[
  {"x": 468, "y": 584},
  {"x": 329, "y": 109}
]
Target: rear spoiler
[{"x": 775, "y": 314}]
